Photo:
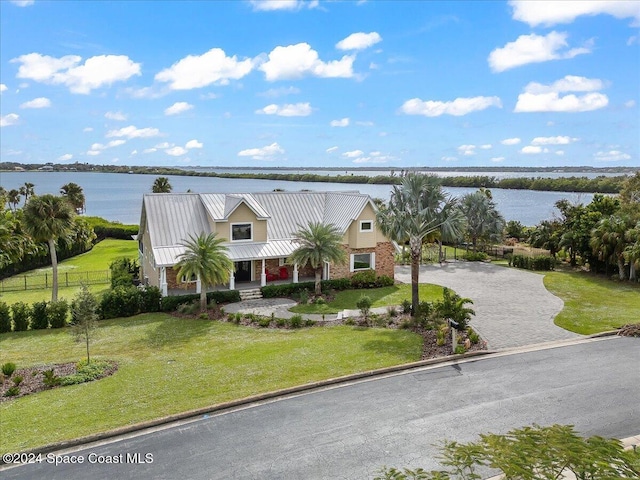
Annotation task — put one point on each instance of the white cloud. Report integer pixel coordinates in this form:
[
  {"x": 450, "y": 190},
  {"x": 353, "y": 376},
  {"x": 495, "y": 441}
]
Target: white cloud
[
  {"x": 458, "y": 107},
  {"x": 178, "y": 107},
  {"x": 297, "y": 61},
  {"x": 498, "y": 159},
  {"x": 570, "y": 83},
  {"x": 149, "y": 150},
  {"x": 9, "y": 119},
  {"x": 343, "y": 122},
  {"x": 533, "y": 49},
  {"x": 287, "y": 110},
  {"x": 611, "y": 156},
  {"x": 64, "y": 158},
  {"x": 96, "y": 72},
  {"x": 546, "y": 98},
  {"x": 359, "y": 41},
  {"x": 23, "y": 3},
  {"x": 3, "y": 87},
  {"x": 133, "y": 132},
  {"x": 487, "y": 146},
  {"x": 40, "y": 102},
  {"x": 630, "y": 103},
  {"x": 163, "y": 145},
  {"x": 560, "y": 152},
  {"x": 449, "y": 159},
  {"x": 264, "y": 153},
  {"x": 97, "y": 147},
  {"x": 353, "y": 154},
  {"x": 530, "y": 149},
  {"x": 510, "y": 141},
  {"x": 176, "y": 151},
  {"x": 279, "y": 92},
  {"x": 331, "y": 149},
  {"x": 270, "y": 5},
  {"x": 134, "y": 152},
  {"x": 467, "y": 150},
  {"x": 116, "y": 143},
  {"x": 553, "y": 140},
  {"x": 117, "y": 116},
  {"x": 87, "y": 129},
  {"x": 93, "y": 153},
  {"x": 197, "y": 71},
  {"x": 372, "y": 160},
  {"x": 566, "y": 11},
  {"x": 193, "y": 144},
  {"x": 151, "y": 92},
  {"x": 632, "y": 40}
]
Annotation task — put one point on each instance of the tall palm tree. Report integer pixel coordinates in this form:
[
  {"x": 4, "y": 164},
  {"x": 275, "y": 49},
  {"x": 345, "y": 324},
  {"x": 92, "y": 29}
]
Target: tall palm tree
[
  {"x": 48, "y": 218},
  {"x": 608, "y": 241},
  {"x": 417, "y": 208},
  {"x": 27, "y": 190},
  {"x": 484, "y": 222},
  {"x": 206, "y": 258},
  {"x": 74, "y": 195},
  {"x": 318, "y": 243},
  {"x": 161, "y": 185},
  {"x": 13, "y": 197},
  {"x": 632, "y": 250}
]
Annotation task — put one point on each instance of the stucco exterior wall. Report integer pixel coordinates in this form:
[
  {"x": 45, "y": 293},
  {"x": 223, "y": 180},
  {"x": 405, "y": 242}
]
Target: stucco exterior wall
[{"x": 243, "y": 214}]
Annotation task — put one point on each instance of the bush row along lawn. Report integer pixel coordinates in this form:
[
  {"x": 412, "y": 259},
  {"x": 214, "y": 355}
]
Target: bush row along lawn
[
  {"x": 169, "y": 365},
  {"x": 593, "y": 304},
  {"x": 380, "y": 297}
]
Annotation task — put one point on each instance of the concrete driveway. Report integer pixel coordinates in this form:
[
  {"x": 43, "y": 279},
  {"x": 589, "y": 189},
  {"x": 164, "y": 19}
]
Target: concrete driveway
[{"x": 513, "y": 308}]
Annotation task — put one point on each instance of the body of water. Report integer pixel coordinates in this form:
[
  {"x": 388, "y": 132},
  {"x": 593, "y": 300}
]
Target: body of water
[{"x": 118, "y": 197}]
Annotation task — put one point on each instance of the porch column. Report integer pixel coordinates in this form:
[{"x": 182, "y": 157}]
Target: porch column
[
  {"x": 198, "y": 285},
  {"x": 232, "y": 280},
  {"x": 163, "y": 281},
  {"x": 263, "y": 275},
  {"x": 295, "y": 273}
]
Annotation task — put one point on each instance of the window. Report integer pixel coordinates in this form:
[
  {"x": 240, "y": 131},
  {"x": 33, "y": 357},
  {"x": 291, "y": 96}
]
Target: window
[
  {"x": 193, "y": 278},
  {"x": 366, "y": 226},
  {"x": 282, "y": 261},
  {"x": 241, "y": 232},
  {"x": 363, "y": 261}
]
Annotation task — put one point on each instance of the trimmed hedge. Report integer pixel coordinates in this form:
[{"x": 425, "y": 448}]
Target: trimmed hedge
[
  {"x": 170, "y": 304},
  {"x": 5, "y": 318},
  {"x": 541, "y": 262},
  {"x": 39, "y": 316},
  {"x": 364, "y": 281},
  {"x": 21, "y": 315},
  {"x": 106, "y": 229}
]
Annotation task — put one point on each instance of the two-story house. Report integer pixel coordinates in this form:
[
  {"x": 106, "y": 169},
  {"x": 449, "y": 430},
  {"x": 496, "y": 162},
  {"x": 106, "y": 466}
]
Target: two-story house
[{"x": 258, "y": 229}]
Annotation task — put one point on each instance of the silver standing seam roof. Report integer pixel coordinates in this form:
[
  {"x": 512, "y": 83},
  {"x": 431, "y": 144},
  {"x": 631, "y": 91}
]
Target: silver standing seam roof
[{"x": 172, "y": 218}]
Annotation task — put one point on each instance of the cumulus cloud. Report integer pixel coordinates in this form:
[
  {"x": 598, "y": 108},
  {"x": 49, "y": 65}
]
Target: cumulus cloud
[
  {"x": 510, "y": 141},
  {"x": 265, "y": 153},
  {"x": 560, "y": 152},
  {"x": 486, "y": 146},
  {"x": 353, "y": 154},
  {"x": 9, "y": 119},
  {"x": 150, "y": 150},
  {"x": 193, "y": 144},
  {"x": 96, "y": 72},
  {"x": 270, "y": 5},
  {"x": 23, "y": 3},
  {"x": 98, "y": 147},
  {"x": 331, "y": 149},
  {"x": 133, "y": 132},
  {"x": 300, "y": 60},
  {"x": 547, "y": 98},
  {"x": 87, "y": 129},
  {"x": 178, "y": 107},
  {"x": 570, "y": 83},
  {"x": 343, "y": 122},
  {"x": 65, "y": 158},
  {"x": 566, "y": 11},
  {"x": 176, "y": 151},
  {"x": 163, "y": 145},
  {"x": 533, "y": 49},
  {"x": 279, "y": 92},
  {"x": 359, "y": 41},
  {"x": 40, "y": 102},
  {"x": 467, "y": 150},
  {"x": 611, "y": 156},
  {"x": 287, "y": 110},
  {"x": 117, "y": 116},
  {"x": 458, "y": 107},
  {"x": 553, "y": 140},
  {"x": 3, "y": 87},
  {"x": 498, "y": 159},
  {"x": 197, "y": 71},
  {"x": 533, "y": 149}
]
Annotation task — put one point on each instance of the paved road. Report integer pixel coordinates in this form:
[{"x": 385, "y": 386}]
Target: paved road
[
  {"x": 349, "y": 432},
  {"x": 513, "y": 308}
]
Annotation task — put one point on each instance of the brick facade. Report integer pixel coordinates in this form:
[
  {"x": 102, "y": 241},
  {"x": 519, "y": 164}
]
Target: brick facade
[{"x": 384, "y": 260}]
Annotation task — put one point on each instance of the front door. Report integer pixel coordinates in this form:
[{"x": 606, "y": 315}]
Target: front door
[{"x": 243, "y": 271}]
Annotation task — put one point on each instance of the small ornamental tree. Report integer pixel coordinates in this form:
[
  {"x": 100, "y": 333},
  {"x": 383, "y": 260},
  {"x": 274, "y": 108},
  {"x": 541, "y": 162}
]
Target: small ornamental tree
[
  {"x": 5, "y": 318},
  {"x": 84, "y": 308}
]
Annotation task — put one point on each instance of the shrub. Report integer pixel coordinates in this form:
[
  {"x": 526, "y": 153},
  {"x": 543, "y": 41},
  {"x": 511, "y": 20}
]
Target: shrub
[
  {"x": 392, "y": 312},
  {"x": 17, "y": 380},
  {"x": 459, "y": 350},
  {"x": 21, "y": 313},
  {"x": 406, "y": 306},
  {"x": 12, "y": 392},
  {"x": 364, "y": 304},
  {"x": 57, "y": 312},
  {"x": 123, "y": 271},
  {"x": 474, "y": 337},
  {"x": 50, "y": 379},
  {"x": 120, "y": 302},
  {"x": 106, "y": 229},
  {"x": 39, "y": 316},
  {"x": 86, "y": 372},
  {"x": 264, "y": 322},
  {"x": 290, "y": 289},
  {"x": 384, "y": 281},
  {"x": 540, "y": 262},
  {"x": 170, "y": 304},
  {"x": 364, "y": 279},
  {"x": 5, "y": 318},
  {"x": 281, "y": 322},
  {"x": 319, "y": 301},
  {"x": 309, "y": 323},
  {"x": 475, "y": 256},
  {"x": 150, "y": 298},
  {"x": 8, "y": 368},
  {"x": 304, "y": 297},
  {"x": 188, "y": 308},
  {"x": 296, "y": 321},
  {"x": 349, "y": 321}
]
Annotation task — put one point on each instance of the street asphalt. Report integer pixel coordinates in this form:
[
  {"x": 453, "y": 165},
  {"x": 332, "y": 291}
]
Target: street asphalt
[{"x": 350, "y": 431}]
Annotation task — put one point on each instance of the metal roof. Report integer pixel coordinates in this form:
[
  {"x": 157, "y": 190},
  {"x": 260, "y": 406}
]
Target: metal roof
[{"x": 172, "y": 218}]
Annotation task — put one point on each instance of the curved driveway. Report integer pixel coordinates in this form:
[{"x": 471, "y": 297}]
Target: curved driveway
[{"x": 513, "y": 308}]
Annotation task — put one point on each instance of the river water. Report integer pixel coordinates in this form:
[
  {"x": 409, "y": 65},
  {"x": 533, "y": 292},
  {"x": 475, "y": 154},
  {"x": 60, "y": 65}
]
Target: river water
[{"x": 118, "y": 197}]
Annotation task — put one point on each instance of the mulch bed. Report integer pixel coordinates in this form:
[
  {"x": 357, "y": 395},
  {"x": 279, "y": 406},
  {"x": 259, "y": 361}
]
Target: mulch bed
[{"x": 33, "y": 379}]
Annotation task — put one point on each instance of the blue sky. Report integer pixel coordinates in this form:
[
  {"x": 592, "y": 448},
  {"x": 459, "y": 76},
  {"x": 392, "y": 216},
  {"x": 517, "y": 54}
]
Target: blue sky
[{"x": 321, "y": 83}]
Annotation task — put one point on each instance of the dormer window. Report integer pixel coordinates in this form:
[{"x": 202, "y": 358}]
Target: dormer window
[
  {"x": 366, "y": 226},
  {"x": 241, "y": 232}
]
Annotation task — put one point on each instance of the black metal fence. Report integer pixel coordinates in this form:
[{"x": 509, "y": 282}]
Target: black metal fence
[{"x": 45, "y": 280}]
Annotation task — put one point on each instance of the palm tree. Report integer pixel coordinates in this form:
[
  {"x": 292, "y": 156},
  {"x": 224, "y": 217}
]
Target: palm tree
[
  {"x": 632, "y": 250},
  {"x": 608, "y": 241},
  {"x": 417, "y": 208},
  {"x": 74, "y": 195},
  {"x": 13, "y": 197},
  {"x": 27, "y": 190},
  {"x": 161, "y": 185},
  {"x": 318, "y": 243},
  {"x": 48, "y": 218},
  {"x": 206, "y": 258},
  {"x": 483, "y": 219}
]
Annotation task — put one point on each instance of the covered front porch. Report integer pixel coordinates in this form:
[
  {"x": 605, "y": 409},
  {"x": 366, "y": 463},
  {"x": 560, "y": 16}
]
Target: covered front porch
[{"x": 191, "y": 287}]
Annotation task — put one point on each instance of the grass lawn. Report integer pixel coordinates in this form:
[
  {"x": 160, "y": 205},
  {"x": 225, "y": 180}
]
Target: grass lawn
[
  {"x": 99, "y": 258},
  {"x": 381, "y": 297},
  {"x": 593, "y": 304},
  {"x": 169, "y": 365}
]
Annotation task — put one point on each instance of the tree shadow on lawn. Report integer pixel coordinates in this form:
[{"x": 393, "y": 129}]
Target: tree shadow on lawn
[{"x": 169, "y": 330}]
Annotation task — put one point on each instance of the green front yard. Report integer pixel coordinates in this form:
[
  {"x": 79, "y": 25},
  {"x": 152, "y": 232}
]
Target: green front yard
[
  {"x": 380, "y": 297},
  {"x": 169, "y": 365}
]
